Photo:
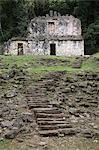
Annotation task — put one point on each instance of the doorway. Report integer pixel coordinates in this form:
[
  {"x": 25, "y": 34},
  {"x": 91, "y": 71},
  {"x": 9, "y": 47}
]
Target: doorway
[
  {"x": 20, "y": 48},
  {"x": 52, "y": 49}
]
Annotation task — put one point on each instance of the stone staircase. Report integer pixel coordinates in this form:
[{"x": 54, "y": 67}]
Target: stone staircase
[{"x": 50, "y": 119}]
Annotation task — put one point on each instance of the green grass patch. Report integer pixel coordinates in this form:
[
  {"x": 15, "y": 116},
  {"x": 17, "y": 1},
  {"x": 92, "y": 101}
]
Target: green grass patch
[
  {"x": 4, "y": 144},
  {"x": 43, "y": 69},
  {"x": 19, "y": 60},
  {"x": 43, "y": 64},
  {"x": 91, "y": 64},
  {"x": 11, "y": 145}
]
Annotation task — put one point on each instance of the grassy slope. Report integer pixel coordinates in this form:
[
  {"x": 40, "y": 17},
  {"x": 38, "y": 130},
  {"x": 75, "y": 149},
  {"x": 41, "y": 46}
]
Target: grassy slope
[
  {"x": 33, "y": 64},
  {"x": 64, "y": 143}
]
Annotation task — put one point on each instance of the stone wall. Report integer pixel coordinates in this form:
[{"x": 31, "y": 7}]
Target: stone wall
[
  {"x": 69, "y": 48},
  {"x": 62, "y": 31},
  {"x": 55, "y": 26},
  {"x": 12, "y": 49},
  {"x": 63, "y": 48}
]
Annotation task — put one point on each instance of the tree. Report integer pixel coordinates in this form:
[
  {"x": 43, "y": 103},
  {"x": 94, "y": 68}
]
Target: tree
[
  {"x": 41, "y": 7},
  {"x": 14, "y": 19},
  {"x": 92, "y": 38},
  {"x": 88, "y": 13}
]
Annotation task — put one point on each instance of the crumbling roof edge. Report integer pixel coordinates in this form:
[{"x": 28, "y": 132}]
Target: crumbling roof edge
[
  {"x": 18, "y": 39},
  {"x": 49, "y": 38},
  {"x": 57, "y": 38},
  {"x": 53, "y": 15}
]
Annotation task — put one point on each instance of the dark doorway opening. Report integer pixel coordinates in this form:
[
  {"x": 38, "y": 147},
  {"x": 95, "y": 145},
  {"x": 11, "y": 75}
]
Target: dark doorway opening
[
  {"x": 52, "y": 49},
  {"x": 20, "y": 48}
]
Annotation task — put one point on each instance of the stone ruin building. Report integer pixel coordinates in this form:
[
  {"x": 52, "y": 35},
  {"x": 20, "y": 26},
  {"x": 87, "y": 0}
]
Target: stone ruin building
[{"x": 52, "y": 34}]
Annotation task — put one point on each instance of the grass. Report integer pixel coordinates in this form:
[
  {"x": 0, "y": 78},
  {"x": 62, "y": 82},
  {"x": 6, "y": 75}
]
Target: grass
[
  {"x": 59, "y": 143},
  {"x": 11, "y": 145},
  {"x": 51, "y": 69},
  {"x": 19, "y": 60},
  {"x": 92, "y": 64},
  {"x": 74, "y": 143},
  {"x": 33, "y": 64}
]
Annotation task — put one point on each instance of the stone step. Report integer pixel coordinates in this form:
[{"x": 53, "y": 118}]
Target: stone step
[
  {"x": 53, "y": 127},
  {"x": 48, "y": 111},
  {"x": 51, "y": 119},
  {"x": 39, "y": 93},
  {"x": 51, "y": 122},
  {"x": 45, "y": 115},
  {"x": 36, "y": 91},
  {"x": 35, "y": 99},
  {"x": 64, "y": 131},
  {"x": 48, "y": 132},
  {"x": 39, "y": 103},
  {"x": 35, "y": 96},
  {"x": 38, "y": 106},
  {"x": 45, "y": 109}
]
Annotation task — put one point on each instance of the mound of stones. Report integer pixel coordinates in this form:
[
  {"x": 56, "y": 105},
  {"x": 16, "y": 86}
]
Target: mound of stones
[
  {"x": 58, "y": 104},
  {"x": 15, "y": 118},
  {"x": 66, "y": 104},
  {"x": 50, "y": 119}
]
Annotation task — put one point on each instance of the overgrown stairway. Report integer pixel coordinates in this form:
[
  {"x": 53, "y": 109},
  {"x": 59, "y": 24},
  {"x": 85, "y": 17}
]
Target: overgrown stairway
[{"x": 50, "y": 119}]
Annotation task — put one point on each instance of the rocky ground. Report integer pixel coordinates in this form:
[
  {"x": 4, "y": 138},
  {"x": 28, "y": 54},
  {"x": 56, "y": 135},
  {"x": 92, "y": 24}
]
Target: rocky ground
[{"x": 75, "y": 95}]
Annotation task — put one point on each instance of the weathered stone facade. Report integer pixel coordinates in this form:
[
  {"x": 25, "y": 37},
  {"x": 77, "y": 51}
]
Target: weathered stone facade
[{"x": 52, "y": 34}]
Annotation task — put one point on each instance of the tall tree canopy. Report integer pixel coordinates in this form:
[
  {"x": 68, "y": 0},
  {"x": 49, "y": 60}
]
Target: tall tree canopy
[
  {"x": 16, "y": 14},
  {"x": 88, "y": 13}
]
